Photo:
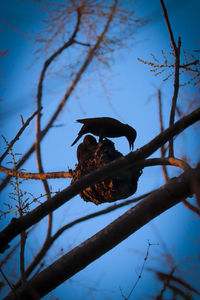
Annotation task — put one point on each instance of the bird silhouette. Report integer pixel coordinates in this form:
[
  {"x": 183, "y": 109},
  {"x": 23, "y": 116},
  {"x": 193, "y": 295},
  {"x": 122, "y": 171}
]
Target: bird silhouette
[
  {"x": 106, "y": 127},
  {"x": 85, "y": 149}
]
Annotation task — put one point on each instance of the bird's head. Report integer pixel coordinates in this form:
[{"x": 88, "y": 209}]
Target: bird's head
[
  {"x": 130, "y": 135},
  {"x": 89, "y": 140}
]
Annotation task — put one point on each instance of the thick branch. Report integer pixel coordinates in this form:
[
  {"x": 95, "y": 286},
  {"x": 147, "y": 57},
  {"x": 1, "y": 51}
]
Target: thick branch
[
  {"x": 39, "y": 256},
  {"x": 129, "y": 161},
  {"x": 90, "y": 250},
  {"x": 62, "y": 174}
]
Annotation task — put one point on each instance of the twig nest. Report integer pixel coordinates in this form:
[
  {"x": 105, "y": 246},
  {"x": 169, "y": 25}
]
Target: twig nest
[{"x": 92, "y": 156}]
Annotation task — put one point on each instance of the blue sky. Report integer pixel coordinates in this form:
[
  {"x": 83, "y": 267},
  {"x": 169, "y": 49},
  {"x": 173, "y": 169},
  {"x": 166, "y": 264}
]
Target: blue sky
[{"x": 130, "y": 95}]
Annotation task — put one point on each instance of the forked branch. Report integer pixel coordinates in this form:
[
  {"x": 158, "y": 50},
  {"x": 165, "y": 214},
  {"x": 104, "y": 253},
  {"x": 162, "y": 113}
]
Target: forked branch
[
  {"x": 176, "y": 50},
  {"x": 103, "y": 241},
  {"x": 128, "y": 161}
]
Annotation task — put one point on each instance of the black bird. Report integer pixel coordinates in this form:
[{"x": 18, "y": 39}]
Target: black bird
[
  {"x": 106, "y": 127},
  {"x": 85, "y": 149}
]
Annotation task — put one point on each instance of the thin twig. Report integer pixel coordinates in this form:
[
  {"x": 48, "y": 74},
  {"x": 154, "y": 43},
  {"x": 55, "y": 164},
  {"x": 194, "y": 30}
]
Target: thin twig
[
  {"x": 175, "y": 95},
  {"x": 22, "y": 254},
  {"x": 162, "y": 148},
  {"x": 176, "y": 74},
  {"x": 20, "y": 211},
  {"x": 141, "y": 271},
  {"x": 193, "y": 208},
  {"x": 36, "y": 176},
  {"x": 168, "y": 25},
  {"x": 8, "y": 282},
  {"x": 9, "y": 254},
  {"x": 18, "y": 135},
  {"x": 165, "y": 285},
  {"x": 164, "y": 276},
  {"x": 38, "y": 122}
]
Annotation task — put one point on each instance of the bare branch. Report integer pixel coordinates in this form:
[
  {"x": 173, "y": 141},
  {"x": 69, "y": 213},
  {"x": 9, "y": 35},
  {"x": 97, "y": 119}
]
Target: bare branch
[
  {"x": 162, "y": 149},
  {"x": 176, "y": 74},
  {"x": 193, "y": 208},
  {"x": 22, "y": 250},
  {"x": 166, "y": 284},
  {"x": 168, "y": 25},
  {"x": 55, "y": 175},
  {"x": 141, "y": 270},
  {"x": 39, "y": 256},
  {"x": 175, "y": 95},
  {"x": 8, "y": 282},
  {"x": 38, "y": 124},
  {"x": 129, "y": 161},
  {"x": 87, "y": 61},
  {"x": 36, "y": 176},
  {"x": 18, "y": 135},
  {"x": 103, "y": 241},
  {"x": 170, "y": 277}
]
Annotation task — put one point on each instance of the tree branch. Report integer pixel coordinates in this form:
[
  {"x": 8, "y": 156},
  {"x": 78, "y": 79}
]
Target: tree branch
[
  {"x": 18, "y": 135},
  {"x": 168, "y": 25},
  {"x": 103, "y": 241},
  {"x": 39, "y": 256},
  {"x": 61, "y": 174},
  {"x": 162, "y": 148},
  {"x": 175, "y": 95},
  {"x": 193, "y": 208},
  {"x": 68, "y": 93},
  {"x": 176, "y": 74},
  {"x": 129, "y": 161},
  {"x": 36, "y": 176}
]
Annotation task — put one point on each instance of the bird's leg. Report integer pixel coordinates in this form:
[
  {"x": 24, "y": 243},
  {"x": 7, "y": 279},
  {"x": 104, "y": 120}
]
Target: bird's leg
[{"x": 100, "y": 138}]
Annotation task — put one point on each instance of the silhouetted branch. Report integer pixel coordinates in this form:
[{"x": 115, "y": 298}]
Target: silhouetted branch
[
  {"x": 39, "y": 256},
  {"x": 129, "y": 161},
  {"x": 62, "y": 174},
  {"x": 36, "y": 176},
  {"x": 176, "y": 50},
  {"x": 18, "y": 225},
  {"x": 193, "y": 208},
  {"x": 166, "y": 283},
  {"x": 91, "y": 54},
  {"x": 168, "y": 25},
  {"x": 38, "y": 123},
  {"x": 8, "y": 282},
  {"x": 162, "y": 148},
  {"x": 103, "y": 241},
  {"x": 170, "y": 277},
  {"x": 140, "y": 274},
  {"x": 18, "y": 135},
  {"x": 175, "y": 95}
]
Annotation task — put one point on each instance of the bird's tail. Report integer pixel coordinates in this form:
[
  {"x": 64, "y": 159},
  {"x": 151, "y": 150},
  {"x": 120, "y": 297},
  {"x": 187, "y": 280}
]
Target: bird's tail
[{"x": 76, "y": 140}]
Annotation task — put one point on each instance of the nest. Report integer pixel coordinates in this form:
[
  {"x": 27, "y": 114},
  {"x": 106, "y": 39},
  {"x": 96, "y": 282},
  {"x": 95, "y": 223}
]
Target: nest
[{"x": 94, "y": 156}]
